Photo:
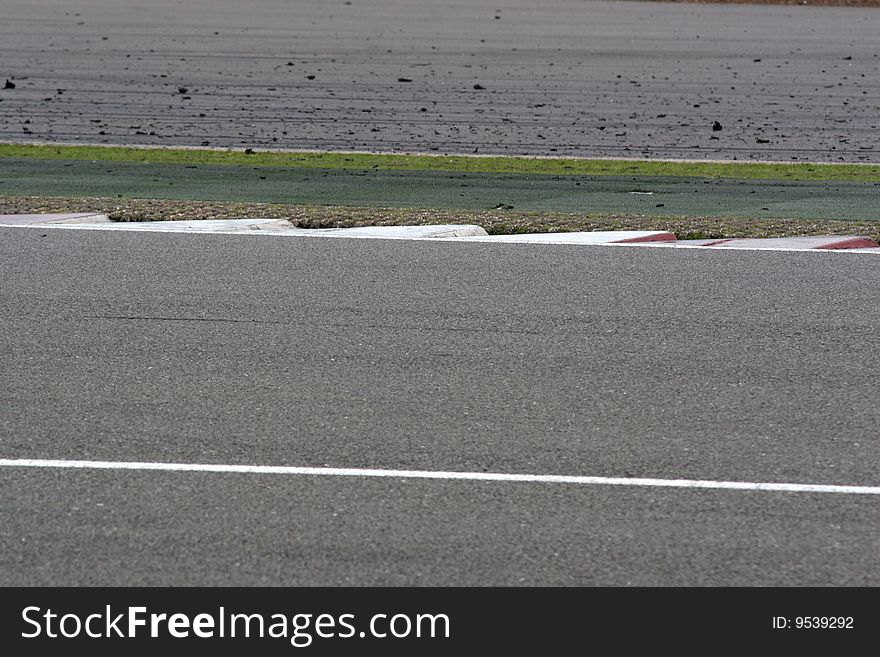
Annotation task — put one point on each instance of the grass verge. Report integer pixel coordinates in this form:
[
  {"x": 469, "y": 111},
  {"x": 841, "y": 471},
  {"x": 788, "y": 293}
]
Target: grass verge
[{"x": 452, "y": 163}]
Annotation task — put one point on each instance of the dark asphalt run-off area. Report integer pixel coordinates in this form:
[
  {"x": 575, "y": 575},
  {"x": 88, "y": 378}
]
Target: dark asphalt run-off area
[{"x": 559, "y": 77}]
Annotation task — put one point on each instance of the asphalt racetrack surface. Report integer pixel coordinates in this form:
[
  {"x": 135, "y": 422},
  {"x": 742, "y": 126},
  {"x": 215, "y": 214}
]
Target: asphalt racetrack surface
[
  {"x": 559, "y": 77},
  {"x": 465, "y": 357}
]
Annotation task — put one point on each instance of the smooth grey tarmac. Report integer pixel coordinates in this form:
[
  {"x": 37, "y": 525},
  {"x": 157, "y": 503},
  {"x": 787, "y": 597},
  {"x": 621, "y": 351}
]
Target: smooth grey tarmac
[
  {"x": 556, "y": 77},
  {"x": 475, "y": 357}
]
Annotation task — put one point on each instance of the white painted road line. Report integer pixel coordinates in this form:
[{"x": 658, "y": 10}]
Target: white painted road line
[{"x": 430, "y": 474}]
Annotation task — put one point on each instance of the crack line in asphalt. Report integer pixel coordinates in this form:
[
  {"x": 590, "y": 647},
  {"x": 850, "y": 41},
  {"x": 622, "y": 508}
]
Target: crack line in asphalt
[
  {"x": 183, "y": 319},
  {"x": 261, "y": 321}
]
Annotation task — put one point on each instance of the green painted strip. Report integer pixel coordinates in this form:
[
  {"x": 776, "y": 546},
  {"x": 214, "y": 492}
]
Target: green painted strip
[
  {"x": 456, "y": 163},
  {"x": 636, "y": 195}
]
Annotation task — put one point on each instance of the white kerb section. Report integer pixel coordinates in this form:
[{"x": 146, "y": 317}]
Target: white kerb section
[
  {"x": 447, "y": 232},
  {"x": 585, "y": 237}
]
